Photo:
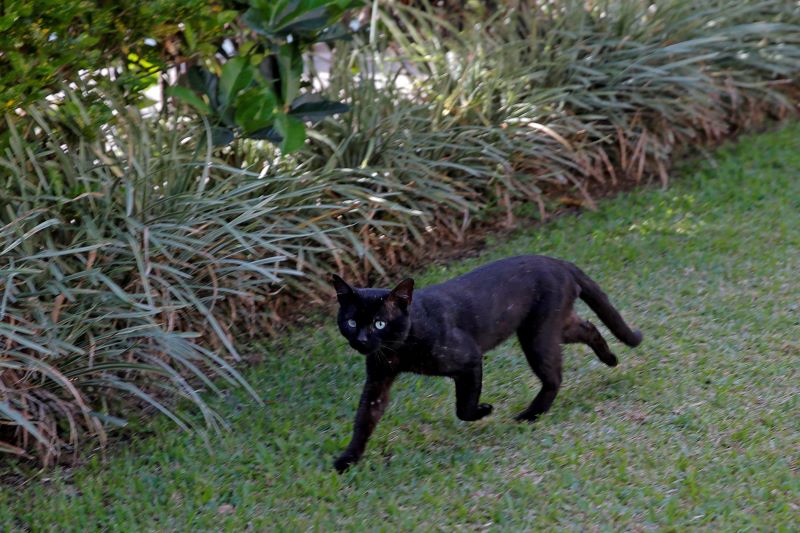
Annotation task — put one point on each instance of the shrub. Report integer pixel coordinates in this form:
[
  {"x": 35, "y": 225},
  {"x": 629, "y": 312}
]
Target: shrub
[
  {"x": 257, "y": 93},
  {"x": 537, "y": 102},
  {"x": 129, "y": 262},
  {"x": 240, "y": 63},
  {"x": 46, "y": 42}
]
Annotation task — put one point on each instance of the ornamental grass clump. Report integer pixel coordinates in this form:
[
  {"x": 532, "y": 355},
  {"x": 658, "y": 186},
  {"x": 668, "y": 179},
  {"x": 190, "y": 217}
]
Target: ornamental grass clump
[{"x": 537, "y": 105}]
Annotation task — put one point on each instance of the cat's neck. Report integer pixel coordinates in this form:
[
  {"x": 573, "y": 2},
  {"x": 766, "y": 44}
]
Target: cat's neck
[{"x": 421, "y": 332}]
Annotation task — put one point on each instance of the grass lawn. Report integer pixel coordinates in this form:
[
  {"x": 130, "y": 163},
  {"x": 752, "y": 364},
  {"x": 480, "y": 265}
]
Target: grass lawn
[{"x": 699, "y": 427}]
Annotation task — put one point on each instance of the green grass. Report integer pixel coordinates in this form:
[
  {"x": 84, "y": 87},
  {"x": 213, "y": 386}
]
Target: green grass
[{"x": 697, "y": 428}]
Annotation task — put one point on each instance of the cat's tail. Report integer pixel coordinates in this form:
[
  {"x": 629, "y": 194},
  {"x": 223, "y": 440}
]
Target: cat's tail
[{"x": 596, "y": 299}]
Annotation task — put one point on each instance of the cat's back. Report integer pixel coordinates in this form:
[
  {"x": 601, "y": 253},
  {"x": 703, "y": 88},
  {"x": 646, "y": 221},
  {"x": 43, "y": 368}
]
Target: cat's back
[
  {"x": 490, "y": 301},
  {"x": 518, "y": 271},
  {"x": 517, "y": 281}
]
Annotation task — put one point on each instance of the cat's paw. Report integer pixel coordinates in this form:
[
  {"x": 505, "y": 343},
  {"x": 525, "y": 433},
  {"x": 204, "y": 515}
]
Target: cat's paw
[
  {"x": 526, "y": 416},
  {"x": 343, "y": 462},
  {"x": 484, "y": 409},
  {"x": 479, "y": 412}
]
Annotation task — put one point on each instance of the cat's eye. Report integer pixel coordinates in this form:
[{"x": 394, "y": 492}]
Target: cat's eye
[
  {"x": 351, "y": 323},
  {"x": 380, "y": 324}
]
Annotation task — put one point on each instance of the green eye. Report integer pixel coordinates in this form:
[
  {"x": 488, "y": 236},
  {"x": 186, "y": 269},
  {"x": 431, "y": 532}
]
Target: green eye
[
  {"x": 351, "y": 323},
  {"x": 380, "y": 324}
]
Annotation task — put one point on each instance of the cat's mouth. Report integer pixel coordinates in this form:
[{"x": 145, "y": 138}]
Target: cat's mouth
[{"x": 364, "y": 350}]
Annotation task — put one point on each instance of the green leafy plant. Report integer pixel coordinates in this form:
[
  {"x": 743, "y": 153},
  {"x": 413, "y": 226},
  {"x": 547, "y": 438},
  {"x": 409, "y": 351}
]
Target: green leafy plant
[
  {"x": 128, "y": 264},
  {"x": 44, "y": 43},
  {"x": 257, "y": 94}
]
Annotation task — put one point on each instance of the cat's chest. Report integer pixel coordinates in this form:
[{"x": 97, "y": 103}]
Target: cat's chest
[
  {"x": 435, "y": 362},
  {"x": 424, "y": 366}
]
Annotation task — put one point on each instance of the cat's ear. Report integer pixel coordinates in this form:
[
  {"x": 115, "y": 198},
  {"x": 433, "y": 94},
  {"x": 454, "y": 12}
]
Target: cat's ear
[
  {"x": 401, "y": 295},
  {"x": 343, "y": 291}
]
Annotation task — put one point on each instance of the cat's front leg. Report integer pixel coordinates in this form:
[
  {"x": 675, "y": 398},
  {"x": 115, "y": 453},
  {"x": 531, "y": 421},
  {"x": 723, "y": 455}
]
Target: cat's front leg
[
  {"x": 468, "y": 394},
  {"x": 374, "y": 400}
]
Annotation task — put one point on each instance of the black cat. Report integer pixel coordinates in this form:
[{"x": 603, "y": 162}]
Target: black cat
[{"x": 444, "y": 330}]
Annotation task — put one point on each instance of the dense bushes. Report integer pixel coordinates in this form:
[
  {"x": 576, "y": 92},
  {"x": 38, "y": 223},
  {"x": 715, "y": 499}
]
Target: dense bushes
[
  {"x": 549, "y": 99},
  {"x": 239, "y": 64},
  {"x": 131, "y": 255},
  {"x": 46, "y": 42}
]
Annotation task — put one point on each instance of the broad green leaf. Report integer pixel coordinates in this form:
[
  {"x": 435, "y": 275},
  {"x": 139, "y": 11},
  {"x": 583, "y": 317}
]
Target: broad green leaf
[
  {"x": 310, "y": 22},
  {"x": 334, "y": 33},
  {"x": 270, "y": 134},
  {"x": 189, "y": 35},
  {"x": 188, "y": 96},
  {"x": 237, "y": 74},
  {"x": 221, "y": 136},
  {"x": 290, "y": 64},
  {"x": 255, "y": 109},
  {"x": 256, "y": 19},
  {"x": 316, "y": 111},
  {"x": 292, "y": 131},
  {"x": 204, "y": 82}
]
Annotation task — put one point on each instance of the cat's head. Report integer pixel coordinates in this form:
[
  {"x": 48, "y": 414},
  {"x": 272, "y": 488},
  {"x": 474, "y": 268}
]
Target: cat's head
[{"x": 374, "y": 319}]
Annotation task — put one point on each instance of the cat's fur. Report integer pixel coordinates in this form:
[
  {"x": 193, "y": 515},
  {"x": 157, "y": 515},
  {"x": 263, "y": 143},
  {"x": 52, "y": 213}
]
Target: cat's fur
[{"x": 444, "y": 330}]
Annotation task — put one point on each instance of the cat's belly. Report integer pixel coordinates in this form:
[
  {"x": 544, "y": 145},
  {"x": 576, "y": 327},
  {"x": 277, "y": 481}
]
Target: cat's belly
[{"x": 498, "y": 323}]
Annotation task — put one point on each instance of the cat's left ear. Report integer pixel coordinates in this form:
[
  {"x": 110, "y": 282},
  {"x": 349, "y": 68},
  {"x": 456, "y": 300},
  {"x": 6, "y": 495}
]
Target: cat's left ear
[{"x": 401, "y": 295}]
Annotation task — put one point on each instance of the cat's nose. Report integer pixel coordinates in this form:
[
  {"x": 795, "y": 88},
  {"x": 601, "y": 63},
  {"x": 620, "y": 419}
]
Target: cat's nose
[{"x": 362, "y": 337}]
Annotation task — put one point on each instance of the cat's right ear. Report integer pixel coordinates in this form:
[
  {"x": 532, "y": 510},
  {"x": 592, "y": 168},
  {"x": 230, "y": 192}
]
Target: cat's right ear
[{"x": 344, "y": 292}]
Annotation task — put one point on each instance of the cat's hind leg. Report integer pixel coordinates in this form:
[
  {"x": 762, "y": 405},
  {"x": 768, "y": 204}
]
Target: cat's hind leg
[
  {"x": 543, "y": 351},
  {"x": 578, "y": 330}
]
